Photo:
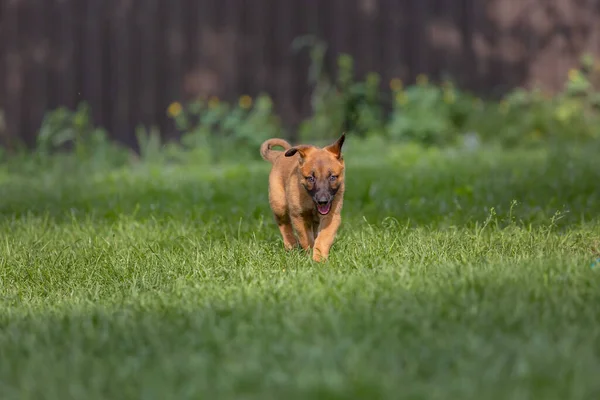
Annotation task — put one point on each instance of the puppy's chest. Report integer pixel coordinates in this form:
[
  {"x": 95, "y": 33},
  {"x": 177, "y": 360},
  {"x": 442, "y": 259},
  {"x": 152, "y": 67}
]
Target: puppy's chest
[
  {"x": 315, "y": 216},
  {"x": 312, "y": 215}
]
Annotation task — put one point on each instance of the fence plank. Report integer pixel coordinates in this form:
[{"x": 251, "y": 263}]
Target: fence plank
[
  {"x": 66, "y": 68},
  {"x": 135, "y": 68},
  {"x": 148, "y": 72},
  {"x": 4, "y": 138},
  {"x": 393, "y": 45},
  {"x": 35, "y": 50},
  {"x": 93, "y": 58},
  {"x": 13, "y": 73},
  {"x": 121, "y": 69},
  {"x": 190, "y": 32},
  {"x": 255, "y": 75},
  {"x": 174, "y": 50},
  {"x": 270, "y": 56}
]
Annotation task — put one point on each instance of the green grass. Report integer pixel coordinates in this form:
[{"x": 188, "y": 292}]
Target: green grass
[{"x": 171, "y": 282}]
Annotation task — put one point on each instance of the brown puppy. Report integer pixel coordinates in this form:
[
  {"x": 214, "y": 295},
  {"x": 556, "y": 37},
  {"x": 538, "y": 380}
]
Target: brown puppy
[{"x": 306, "y": 193}]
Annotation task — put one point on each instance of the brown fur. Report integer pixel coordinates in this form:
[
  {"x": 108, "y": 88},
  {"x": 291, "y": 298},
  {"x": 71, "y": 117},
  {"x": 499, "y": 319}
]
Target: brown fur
[{"x": 293, "y": 194}]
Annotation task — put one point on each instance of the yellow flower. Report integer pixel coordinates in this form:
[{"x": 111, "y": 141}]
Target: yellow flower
[
  {"x": 563, "y": 113},
  {"x": 401, "y": 98},
  {"x": 568, "y": 110},
  {"x": 396, "y": 84},
  {"x": 245, "y": 102},
  {"x": 174, "y": 109},
  {"x": 449, "y": 96},
  {"x": 573, "y": 74},
  {"x": 213, "y": 102},
  {"x": 422, "y": 79}
]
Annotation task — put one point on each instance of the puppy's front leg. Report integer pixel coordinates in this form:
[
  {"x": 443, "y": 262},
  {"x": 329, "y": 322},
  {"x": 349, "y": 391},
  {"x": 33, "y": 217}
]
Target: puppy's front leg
[
  {"x": 304, "y": 229},
  {"x": 287, "y": 232},
  {"x": 329, "y": 227},
  {"x": 315, "y": 228}
]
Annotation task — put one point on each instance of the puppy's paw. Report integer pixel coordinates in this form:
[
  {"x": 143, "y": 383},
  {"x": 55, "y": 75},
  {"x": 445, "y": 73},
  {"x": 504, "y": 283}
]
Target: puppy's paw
[{"x": 317, "y": 257}]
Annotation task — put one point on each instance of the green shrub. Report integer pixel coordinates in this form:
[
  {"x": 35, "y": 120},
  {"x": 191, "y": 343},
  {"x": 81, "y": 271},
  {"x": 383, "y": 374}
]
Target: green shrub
[
  {"x": 68, "y": 141},
  {"x": 213, "y": 129}
]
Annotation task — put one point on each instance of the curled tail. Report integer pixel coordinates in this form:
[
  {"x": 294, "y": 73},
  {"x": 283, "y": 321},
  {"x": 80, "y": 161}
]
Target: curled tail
[{"x": 270, "y": 155}]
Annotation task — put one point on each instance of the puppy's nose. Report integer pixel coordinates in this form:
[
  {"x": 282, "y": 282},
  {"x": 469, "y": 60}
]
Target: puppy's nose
[{"x": 322, "y": 199}]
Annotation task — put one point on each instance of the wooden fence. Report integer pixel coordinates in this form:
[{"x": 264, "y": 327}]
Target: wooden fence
[{"x": 130, "y": 58}]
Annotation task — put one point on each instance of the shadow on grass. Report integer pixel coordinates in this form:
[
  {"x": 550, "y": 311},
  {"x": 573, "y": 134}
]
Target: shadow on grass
[{"x": 465, "y": 336}]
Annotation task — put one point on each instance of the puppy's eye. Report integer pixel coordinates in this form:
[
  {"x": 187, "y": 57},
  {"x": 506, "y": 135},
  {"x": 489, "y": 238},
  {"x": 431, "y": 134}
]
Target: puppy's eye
[
  {"x": 310, "y": 179},
  {"x": 332, "y": 178}
]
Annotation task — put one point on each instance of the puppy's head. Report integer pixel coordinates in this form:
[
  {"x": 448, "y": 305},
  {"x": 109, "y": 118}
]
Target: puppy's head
[{"x": 322, "y": 171}]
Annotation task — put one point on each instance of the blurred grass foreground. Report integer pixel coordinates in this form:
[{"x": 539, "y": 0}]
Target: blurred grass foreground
[{"x": 464, "y": 267}]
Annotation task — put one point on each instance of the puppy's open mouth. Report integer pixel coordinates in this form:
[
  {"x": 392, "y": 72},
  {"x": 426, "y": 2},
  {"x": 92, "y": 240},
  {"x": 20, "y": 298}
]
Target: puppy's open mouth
[{"x": 324, "y": 208}]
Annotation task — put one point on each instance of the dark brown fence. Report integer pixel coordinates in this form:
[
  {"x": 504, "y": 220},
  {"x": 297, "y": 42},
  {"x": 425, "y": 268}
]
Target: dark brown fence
[{"x": 130, "y": 58}]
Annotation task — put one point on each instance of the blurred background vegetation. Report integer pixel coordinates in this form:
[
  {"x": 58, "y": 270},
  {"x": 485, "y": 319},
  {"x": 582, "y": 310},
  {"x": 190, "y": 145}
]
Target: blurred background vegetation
[
  {"x": 423, "y": 112},
  {"x": 121, "y": 81}
]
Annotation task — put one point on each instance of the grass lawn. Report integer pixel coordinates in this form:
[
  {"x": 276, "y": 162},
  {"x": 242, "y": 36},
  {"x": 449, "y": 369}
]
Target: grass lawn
[{"x": 161, "y": 282}]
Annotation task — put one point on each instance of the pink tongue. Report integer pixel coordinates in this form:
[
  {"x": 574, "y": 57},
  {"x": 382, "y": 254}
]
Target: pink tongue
[{"x": 324, "y": 209}]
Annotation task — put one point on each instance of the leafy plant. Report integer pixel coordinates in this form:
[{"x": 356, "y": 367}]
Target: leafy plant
[
  {"x": 427, "y": 113},
  {"x": 150, "y": 144},
  {"x": 67, "y": 139},
  {"x": 339, "y": 104}
]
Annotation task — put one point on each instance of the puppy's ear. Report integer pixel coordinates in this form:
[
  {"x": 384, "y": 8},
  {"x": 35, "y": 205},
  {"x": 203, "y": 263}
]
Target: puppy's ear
[
  {"x": 336, "y": 148},
  {"x": 302, "y": 150}
]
